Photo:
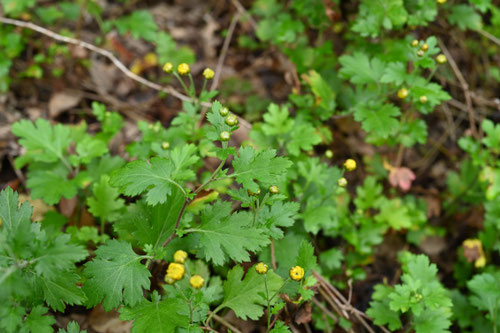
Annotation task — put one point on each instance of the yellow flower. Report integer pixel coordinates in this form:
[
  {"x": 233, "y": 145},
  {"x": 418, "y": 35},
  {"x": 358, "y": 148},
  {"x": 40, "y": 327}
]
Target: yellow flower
[
  {"x": 441, "y": 59},
  {"x": 175, "y": 271},
  {"x": 342, "y": 182},
  {"x": 196, "y": 281},
  {"x": 224, "y": 136},
  {"x": 414, "y": 43},
  {"x": 208, "y": 73},
  {"x": 424, "y": 47},
  {"x": 168, "y": 67},
  {"x": 350, "y": 164},
  {"x": 136, "y": 67},
  {"x": 441, "y": 1},
  {"x": 473, "y": 251},
  {"x": 183, "y": 69},
  {"x": 328, "y": 153},
  {"x": 423, "y": 99},
  {"x": 165, "y": 145},
  {"x": 274, "y": 189},
  {"x": 420, "y": 53},
  {"x": 180, "y": 256},
  {"x": 261, "y": 268},
  {"x": 403, "y": 93},
  {"x": 296, "y": 273}
]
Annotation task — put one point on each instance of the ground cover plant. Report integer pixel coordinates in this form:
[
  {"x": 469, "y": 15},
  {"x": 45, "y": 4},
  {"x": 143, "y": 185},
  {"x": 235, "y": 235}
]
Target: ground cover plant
[{"x": 254, "y": 166}]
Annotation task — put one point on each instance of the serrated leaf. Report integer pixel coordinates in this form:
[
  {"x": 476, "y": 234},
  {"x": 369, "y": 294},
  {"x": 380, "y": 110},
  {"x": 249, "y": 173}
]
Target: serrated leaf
[
  {"x": 72, "y": 327},
  {"x": 395, "y": 72},
  {"x": 306, "y": 258},
  {"x": 262, "y": 166},
  {"x": 277, "y": 215},
  {"x": 377, "y": 15},
  {"x": 465, "y": 17},
  {"x": 38, "y": 321},
  {"x": 486, "y": 292},
  {"x": 246, "y": 297},
  {"x": 12, "y": 214},
  {"x": 157, "y": 316},
  {"x": 151, "y": 225},
  {"x": 155, "y": 178},
  {"x": 383, "y": 315},
  {"x": 378, "y": 119},
  {"x": 223, "y": 236},
  {"x": 43, "y": 142},
  {"x": 140, "y": 24},
  {"x": 115, "y": 276},
  {"x": 51, "y": 183},
  {"x": 105, "y": 202},
  {"x": 359, "y": 69},
  {"x": 59, "y": 290}
]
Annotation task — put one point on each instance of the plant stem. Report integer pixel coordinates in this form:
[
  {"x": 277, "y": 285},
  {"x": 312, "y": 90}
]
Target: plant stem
[{"x": 268, "y": 304}]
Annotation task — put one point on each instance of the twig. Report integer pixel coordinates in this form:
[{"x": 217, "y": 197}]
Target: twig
[
  {"x": 167, "y": 89},
  {"x": 325, "y": 310},
  {"x": 225, "y": 48},
  {"x": 224, "y": 322},
  {"x": 489, "y": 36},
  {"x": 177, "y": 223},
  {"x": 220, "y": 61},
  {"x": 245, "y": 13},
  {"x": 465, "y": 88}
]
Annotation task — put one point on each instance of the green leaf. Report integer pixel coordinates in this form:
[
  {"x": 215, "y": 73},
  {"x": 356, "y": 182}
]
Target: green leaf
[
  {"x": 16, "y": 7},
  {"x": 87, "y": 149},
  {"x": 433, "y": 321},
  {"x": 486, "y": 292},
  {"x": 140, "y": 24},
  {"x": 395, "y": 72},
  {"x": 393, "y": 212},
  {"x": 465, "y": 17},
  {"x": 151, "y": 225},
  {"x": 375, "y": 15},
  {"x": 280, "y": 327},
  {"x": 303, "y": 137},
  {"x": 38, "y": 321},
  {"x": 277, "y": 120},
  {"x": 262, "y": 166},
  {"x": 247, "y": 297},
  {"x": 379, "y": 308},
  {"x": 43, "y": 142},
  {"x": 111, "y": 122},
  {"x": 155, "y": 178},
  {"x": 105, "y": 202},
  {"x": 379, "y": 120},
  {"x": 222, "y": 235},
  {"x": 157, "y": 316},
  {"x": 115, "y": 276},
  {"x": 51, "y": 183},
  {"x": 359, "y": 69},
  {"x": 421, "y": 12},
  {"x": 277, "y": 215},
  {"x": 61, "y": 289},
  {"x": 168, "y": 50},
  {"x": 72, "y": 327},
  {"x": 323, "y": 92},
  {"x": 13, "y": 215},
  {"x": 306, "y": 258}
]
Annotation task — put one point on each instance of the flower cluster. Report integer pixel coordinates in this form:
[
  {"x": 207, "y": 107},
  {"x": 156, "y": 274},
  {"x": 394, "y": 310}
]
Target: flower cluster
[{"x": 176, "y": 271}]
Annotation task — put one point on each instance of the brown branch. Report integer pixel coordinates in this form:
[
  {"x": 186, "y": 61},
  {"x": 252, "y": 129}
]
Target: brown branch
[
  {"x": 166, "y": 89},
  {"x": 465, "y": 88},
  {"x": 224, "y": 322}
]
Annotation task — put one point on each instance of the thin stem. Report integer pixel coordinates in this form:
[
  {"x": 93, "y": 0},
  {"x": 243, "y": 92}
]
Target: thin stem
[
  {"x": 268, "y": 304},
  {"x": 181, "y": 81}
]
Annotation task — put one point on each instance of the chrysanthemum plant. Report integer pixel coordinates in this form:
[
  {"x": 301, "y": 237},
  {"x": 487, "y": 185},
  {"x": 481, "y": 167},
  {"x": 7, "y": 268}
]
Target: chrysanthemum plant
[{"x": 173, "y": 233}]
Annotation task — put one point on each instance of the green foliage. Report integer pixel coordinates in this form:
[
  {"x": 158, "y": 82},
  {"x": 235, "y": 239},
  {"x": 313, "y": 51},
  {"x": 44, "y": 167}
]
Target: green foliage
[{"x": 420, "y": 294}]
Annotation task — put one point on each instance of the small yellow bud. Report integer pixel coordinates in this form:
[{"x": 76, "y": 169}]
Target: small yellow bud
[
  {"x": 424, "y": 47},
  {"x": 403, "y": 93},
  {"x": 473, "y": 251},
  {"x": 224, "y": 136},
  {"x": 261, "y": 268},
  {"x": 196, "y": 281},
  {"x": 176, "y": 271},
  {"x": 274, "y": 189},
  {"x": 420, "y": 53},
  {"x": 350, "y": 164},
  {"x": 165, "y": 145},
  {"x": 255, "y": 194},
  {"x": 296, "y": 273},
  {"x": 169, "y": 280},
  {"x": 151, "y": 59},
  {"x": 168, "y": 68},
  {"x": 441, "y": 59},
  {"x": 224, "y": 111},
  {"x": 441, "y": 1},
  {"x": 183, "y": 69},
  {"x": 423, "y": 99},
  {"x": 180, "y": 256},
  {"x": 208, "y": 73},
  {"x": 136, "y": 67},
  {"x": 342, "y": 182},
  {"x": 232, "y": 120},
  {"x": 414, "y": 43}
]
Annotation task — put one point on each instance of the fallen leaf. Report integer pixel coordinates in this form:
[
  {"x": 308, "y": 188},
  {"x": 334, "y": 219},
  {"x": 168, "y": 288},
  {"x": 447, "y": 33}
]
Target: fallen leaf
[
  {"x": 402, "y": 177},
  {"x": 62, "y": 101}
]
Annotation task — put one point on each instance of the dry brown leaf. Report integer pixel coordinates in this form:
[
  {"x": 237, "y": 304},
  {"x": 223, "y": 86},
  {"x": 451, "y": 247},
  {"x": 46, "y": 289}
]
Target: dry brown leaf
[
  {"x": 402, "y": 177},
  {"x": 62, "y": 101}
]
